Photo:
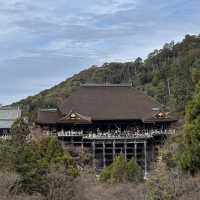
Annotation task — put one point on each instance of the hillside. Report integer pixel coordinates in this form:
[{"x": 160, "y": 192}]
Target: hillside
[{"x": 168, "y": 74}]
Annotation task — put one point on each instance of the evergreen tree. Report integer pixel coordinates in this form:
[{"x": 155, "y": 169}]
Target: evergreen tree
[
  {"x": 121, "y": 171},
  {"x": 189, "y": 149},
  {"x": 160, "y": 185},
  {"x": 20, "y": 132},
  {"x": 33, "y": 160}
]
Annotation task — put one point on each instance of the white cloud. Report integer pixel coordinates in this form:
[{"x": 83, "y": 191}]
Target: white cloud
[{"x": 54, "y": 39}]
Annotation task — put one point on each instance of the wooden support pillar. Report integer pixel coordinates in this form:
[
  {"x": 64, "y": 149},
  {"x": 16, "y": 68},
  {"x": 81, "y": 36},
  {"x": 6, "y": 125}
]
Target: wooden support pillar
[
  {"x": 104, "y": 155},
  {"x": 63, "y": 141},
  {"x": 62, "y": 136},
  {"x": 72, "y": 140},
  {"x": 93, "y": 154},
  {"x": 125, "y": 149},
  {"x": 82, "y": 146},
  {"x": 145, "y": 159},
  {"x": 114, "y": 152},
  {"x": 152, "y": 152},
  {"x": 135, "y": 151}
]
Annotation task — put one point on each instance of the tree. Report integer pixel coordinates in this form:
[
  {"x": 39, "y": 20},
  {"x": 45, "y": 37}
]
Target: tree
[
  {"x": 121, "y": 171},
  {"x": 6, "y": 155},
  {"x": 32, "y": 160},
  {"x": 196, "y": 75},
  {"x": 61, "y": 186},
  {"x": 134, "y": 172},
  {"x": 20, "y": 132},
  {"x": 160, "y": 184},
  {"x": 37, "y": 159},
  {"x": 182, "y": 86},
  {"x": 189, "y": 148}
]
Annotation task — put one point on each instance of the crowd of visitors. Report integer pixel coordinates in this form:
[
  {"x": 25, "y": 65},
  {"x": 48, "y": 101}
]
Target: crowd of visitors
[{"x": 133, "y": 132}]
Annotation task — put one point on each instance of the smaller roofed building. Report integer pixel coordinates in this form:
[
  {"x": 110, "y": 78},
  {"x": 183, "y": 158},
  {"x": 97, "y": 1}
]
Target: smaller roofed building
[{"x": 8, "y": 115}]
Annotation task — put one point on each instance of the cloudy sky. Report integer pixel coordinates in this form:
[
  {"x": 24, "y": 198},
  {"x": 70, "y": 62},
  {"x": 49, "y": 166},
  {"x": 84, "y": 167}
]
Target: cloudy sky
[{"x": 42, "y": 42}]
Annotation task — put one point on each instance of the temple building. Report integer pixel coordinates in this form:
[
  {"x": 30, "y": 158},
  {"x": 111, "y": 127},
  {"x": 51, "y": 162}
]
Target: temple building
[
  {"x": 8, "y": 115},
  {"x": 108, "y": 120}
]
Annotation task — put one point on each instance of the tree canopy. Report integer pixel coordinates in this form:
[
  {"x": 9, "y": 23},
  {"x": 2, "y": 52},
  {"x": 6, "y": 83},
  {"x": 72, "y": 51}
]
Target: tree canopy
[
  {"x": 189, "y": 148},
  {"x": 34, "y": 160}
]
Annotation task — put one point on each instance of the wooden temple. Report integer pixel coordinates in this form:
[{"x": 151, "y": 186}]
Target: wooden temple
[{"x": 108, "y": 120}]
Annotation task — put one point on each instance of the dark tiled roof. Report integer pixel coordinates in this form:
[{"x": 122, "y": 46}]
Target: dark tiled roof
[
  {"x": 105, "y": 103},
  {"x": 48, "y": 116},
  {"x": 110, "y": 103}
]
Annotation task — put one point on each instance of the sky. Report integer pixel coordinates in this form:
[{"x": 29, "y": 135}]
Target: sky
[{"x": 44, "y": 42}]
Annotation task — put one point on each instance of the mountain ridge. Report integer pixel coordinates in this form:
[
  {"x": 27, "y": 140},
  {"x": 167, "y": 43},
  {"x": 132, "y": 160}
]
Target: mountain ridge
[{"x": 168, "y": 75}]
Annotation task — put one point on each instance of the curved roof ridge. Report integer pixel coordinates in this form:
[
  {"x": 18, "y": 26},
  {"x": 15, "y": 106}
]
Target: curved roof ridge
[{"x": 106, "y": 85}]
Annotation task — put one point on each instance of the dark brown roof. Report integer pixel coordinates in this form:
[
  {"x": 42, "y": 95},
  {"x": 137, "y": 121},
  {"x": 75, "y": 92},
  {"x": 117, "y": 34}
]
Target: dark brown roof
[
  {"x": 110, "y": 103},
  {"x": 48, "y": 116},
  {"x": 106, "y": 103},
  {"x": 54, "y": 116}
]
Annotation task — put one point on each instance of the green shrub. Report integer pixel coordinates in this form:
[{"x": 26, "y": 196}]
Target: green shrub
[
  {"x": 105, "y": 175},
  {"x": 189, "y": 149},
  {"x": 134, "y": 172},
  {"x": 121, "y": 171}
]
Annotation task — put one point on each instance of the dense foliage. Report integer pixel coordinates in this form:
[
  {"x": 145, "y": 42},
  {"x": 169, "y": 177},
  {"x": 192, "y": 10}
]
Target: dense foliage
[
  {"x": 121, "y": 171},
  {"x": 178, "y": 165},
  {"x": 189, "y": 148},
  {"x": 34, "y": 160},
  {"x": 160, "y": 184}
]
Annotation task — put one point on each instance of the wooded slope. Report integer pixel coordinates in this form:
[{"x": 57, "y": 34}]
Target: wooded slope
[{"x": 168, "y": 74}]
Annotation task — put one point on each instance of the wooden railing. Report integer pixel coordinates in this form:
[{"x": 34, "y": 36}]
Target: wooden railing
[
  {"x": 69, "y": 133},
  {"x": 113, "y": 135},
  {"x": 128, "y": 135},
  {"x": 5, "y": 137}
]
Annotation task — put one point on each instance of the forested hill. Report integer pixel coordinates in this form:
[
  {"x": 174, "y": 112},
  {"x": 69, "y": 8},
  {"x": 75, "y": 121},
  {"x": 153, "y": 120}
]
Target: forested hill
[{"x": 168, "y": 74}]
